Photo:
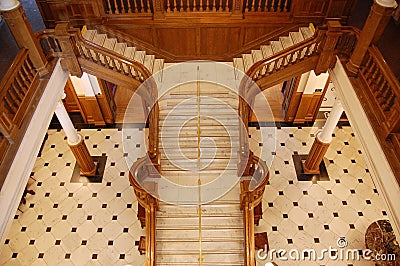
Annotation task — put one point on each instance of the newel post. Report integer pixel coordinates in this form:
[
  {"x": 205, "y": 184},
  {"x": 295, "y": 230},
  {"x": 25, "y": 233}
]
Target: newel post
[
  {"x": 327, "y": 58},
  {"x": 69, "y": 50},
  {"x": 158, "y": 9},
  {"x": 372, "y": 30},
  {"x": 237, "y": 9}
]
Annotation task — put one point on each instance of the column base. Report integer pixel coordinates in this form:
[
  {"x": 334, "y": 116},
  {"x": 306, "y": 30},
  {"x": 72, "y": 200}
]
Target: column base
[{"x": 83, "y": 158}]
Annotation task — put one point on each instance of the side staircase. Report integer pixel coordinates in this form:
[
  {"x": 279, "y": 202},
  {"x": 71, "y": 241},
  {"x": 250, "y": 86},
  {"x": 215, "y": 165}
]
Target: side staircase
[
  {"x": 244, "y": 63},
  {"x": 153, "y": 64}
]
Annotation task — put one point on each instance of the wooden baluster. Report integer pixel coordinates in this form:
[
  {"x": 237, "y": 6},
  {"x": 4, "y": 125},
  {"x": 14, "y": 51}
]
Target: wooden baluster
[
  {"x": 181, "y": 9},
  {"x": 259, "y": 8},
  {"x": 27, "y": 73},
  {"x": 168, "y": 6},
  {"x": 11, "y": 104},
  {"x": 17, "y": 93},
  {"x": 109, "y": 10},
  {"x": 252, "y": 4},
  {"x": 226, "y": 5},
  {"x": 123, "y": 7},
  {"x": 13, "y": 97},
  {"x": 129, "y": 6},
  {"x": 390, "y": 103},
  {"x": 286, "y": 6},
  {"x": 201, "y": 5},
  {"x": 20, "y": 83},
  {"x": 187, "y": 6},
  {"x": 207, "y": 5},
  {"x": 148, "y": 6},
  {"x": 135, "y": 4},
  {"x": 175, "y": 9},
  {"x": 116, "y": 7},
  {"x": 214, "y": 8},
  {"x": 141, "y": 6}
]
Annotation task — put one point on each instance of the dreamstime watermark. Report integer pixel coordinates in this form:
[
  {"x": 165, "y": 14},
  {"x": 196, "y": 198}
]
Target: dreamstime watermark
[{"x": 339, "y": 253}]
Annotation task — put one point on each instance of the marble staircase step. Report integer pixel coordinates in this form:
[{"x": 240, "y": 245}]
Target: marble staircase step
[{"x": 208, "y": 259}]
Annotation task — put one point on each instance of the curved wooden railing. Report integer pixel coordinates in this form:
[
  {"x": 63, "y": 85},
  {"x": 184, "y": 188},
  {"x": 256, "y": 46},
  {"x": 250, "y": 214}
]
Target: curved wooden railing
[
  {"x": 251, "y": 193},
  {"x": 16, "y": 91},
  {"x": 248, "y": 88},
  {"x": 76, "y": 50},
  {"x": 145, "y": 192}
]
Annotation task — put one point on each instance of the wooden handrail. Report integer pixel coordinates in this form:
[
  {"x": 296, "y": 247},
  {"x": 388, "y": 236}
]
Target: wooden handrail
[
  {"x": 16, "y": 91},
  {"x": 142, "y": 169},
  {"x": 252, "y": 190}
]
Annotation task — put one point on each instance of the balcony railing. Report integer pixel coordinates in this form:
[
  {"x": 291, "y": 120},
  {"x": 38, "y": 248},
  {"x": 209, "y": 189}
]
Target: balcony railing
[
  {"x": 16, "y": 91},
  {"x": 181, "y": 7}
]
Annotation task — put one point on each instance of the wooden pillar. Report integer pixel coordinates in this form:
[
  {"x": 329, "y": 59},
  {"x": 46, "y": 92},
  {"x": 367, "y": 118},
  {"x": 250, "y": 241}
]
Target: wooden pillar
[
  {"x": 322, "y": 140},
  {"x": 15, "y": 17},
  {"x": 237, "y": 9},
  {"x": 373, "y": 28},
  {"x": 327, "y": 59},
  {"x": 158, "y": 9},
  {"x": 83, "y": 158},
  {"x": 76, "y": 142},
  {"x": 69, "y": 50}
]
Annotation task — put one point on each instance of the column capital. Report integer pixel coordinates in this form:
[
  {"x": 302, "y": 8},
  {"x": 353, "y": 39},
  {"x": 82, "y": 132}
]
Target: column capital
[
  {"x": 7, "y": 5},
  {"x": 387, "y": 3}
]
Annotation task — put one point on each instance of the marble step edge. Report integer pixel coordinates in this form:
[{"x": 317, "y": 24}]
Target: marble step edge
[
  {"x": 221, "y": 263},
  {"x": 227, "y": 239}
]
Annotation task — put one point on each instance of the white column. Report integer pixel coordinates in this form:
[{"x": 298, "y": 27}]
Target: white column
[
  {"x": 72, "y": 136},
  {"x": 6, "y": 5},
  {"x": 325, "y": 135}
]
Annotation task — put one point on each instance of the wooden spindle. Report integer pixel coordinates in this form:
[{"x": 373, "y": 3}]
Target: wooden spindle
[
  {"x": 259, "y": 8},
  {"x": 181, "y": 6},
  {"x": 207, "y": 5},
  {"x": 129, "y": 6},
  {"x": 226, "y": 5},
  {"x": 188, "y": 6},
  {"x": 141, "y": 6},
  {"x": 109, "y": 11},
  {"x": 116, "y": 7},
  {"x": 253, "y": 5},
  {"x": 148, "y": 9},
  {"x": 11, "y": 105},
  {"x": 175, "y": 9},
  {"x": 135, "y": 6},
  {"x": 214, "y": 6},
  {"x": 168, "y": 6},
  {"x": 201, "y": 5}
]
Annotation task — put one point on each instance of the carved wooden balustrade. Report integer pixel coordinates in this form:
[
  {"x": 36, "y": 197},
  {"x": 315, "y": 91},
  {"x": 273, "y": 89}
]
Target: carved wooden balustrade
[
  {"x": 144, "y": 8},
  {"x": 16, "y": 91},
  {"x": 145, "y": 192},
  {"x": 252, "y": 189},
  {"x": 383, "y": 90}
]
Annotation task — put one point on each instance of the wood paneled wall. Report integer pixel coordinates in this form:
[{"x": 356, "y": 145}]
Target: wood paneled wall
[{"x": 201, "y": 35}]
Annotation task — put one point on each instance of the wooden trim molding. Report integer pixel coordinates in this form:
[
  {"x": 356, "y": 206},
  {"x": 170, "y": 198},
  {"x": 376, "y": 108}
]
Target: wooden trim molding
[{"x": 92, "y": 110}]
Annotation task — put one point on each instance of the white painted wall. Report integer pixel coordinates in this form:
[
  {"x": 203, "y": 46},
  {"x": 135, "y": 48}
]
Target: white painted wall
[
  {"x": 378, "y": 165},
  {"x": 18, "y": 175},
  {"x": 315, "y": 82},
  {"x": 86, "y": 85}
]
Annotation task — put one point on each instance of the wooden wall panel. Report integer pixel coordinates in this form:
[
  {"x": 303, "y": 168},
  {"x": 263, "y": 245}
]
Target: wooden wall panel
[
  {"x": 213, "y": 40},
  {"x": 180, "y": 41}
]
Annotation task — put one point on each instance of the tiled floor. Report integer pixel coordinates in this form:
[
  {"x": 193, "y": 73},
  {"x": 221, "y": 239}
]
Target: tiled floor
[{"x": 78, "y": 224}]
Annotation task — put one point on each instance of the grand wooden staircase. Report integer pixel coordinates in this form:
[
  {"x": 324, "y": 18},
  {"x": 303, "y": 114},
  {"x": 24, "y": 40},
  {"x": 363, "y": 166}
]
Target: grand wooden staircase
[{"x": 226, "y": 223}]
